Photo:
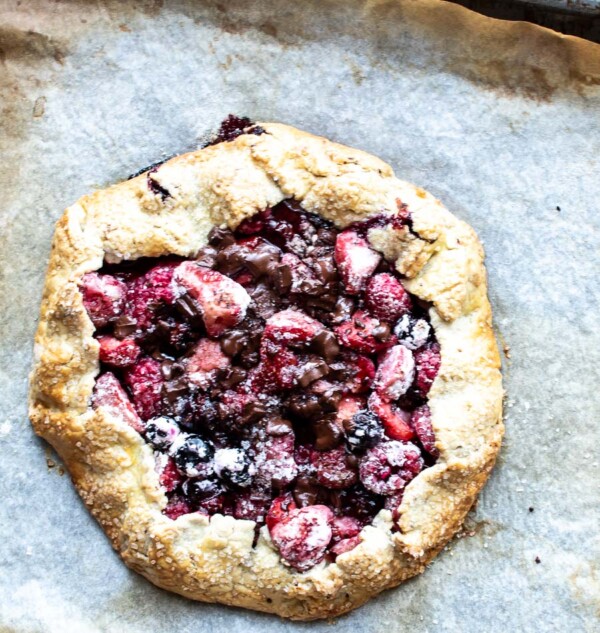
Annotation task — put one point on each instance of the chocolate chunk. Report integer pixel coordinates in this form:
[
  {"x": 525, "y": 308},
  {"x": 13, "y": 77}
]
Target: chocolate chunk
[
  {"x": 230, "y": 260},
  {"x": 233, "y": 342},
  {"x": 282, "y": 278},
  {"x": 310, "y": 371},
  {"x": 325, "y": 344},
  {"x": 232, "y": 376},
  {"x": 380, "y": 332},
  {"x": 207, "y": 256},
  {"x": 173, "y": 389},
  {"x": 188, "y": 308},
  {"x": 305, "y": 406},
  {"x": 262, "y": 259},
  {"x": 344, "y": 308},
  {"x": 266, "y": 301},
  {"x": 279, "y": 426},
  {"x": 328, "y": 433},
  {"x": 325, "y": 269},
  {"x": 306, "y": 491},
  {"x": 125, "y": 326},
  {"x": 326, "y": 235},
  {"x": 252, "y": 412},
  {"x": 171, "y": 369},
  {"x": 249, "y": 359},
  {"x": 220, "y": 237}
]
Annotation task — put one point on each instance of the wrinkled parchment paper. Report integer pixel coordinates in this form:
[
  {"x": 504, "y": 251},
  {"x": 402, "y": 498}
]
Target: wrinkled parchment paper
[{"x": 500, "y": 120}]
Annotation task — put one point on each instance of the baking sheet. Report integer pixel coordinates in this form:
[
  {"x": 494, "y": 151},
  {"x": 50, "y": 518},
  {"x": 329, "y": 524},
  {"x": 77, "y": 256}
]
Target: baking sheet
[{"x": 500, "y": 120}]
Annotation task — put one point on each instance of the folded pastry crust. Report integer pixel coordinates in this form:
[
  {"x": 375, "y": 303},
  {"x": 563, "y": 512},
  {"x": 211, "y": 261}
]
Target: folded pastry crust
[{"x": 212, "y": 559}]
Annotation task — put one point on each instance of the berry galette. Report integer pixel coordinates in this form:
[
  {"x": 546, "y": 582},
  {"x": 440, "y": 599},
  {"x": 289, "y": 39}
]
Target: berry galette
[{"x": 270, "y": 370}]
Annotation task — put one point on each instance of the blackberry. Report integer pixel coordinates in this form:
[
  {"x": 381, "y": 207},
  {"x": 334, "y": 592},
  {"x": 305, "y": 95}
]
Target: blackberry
[
  {"x": 192, "y": 456},
  {"x": 233, "y": 467},
  {"x": 412, "y": 333},
  {"x": 363, "y": 430}
]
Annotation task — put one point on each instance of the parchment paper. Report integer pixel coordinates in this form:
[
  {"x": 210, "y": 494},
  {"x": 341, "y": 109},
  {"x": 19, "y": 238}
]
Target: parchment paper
[{"x": 500, "y": 120}]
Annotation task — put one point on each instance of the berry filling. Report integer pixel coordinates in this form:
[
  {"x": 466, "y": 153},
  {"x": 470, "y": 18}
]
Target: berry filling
[{"x": 280, "y": 376}]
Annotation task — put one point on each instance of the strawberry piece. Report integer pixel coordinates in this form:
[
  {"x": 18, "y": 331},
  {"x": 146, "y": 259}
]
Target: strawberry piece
[
  {"x": 109, "y": 395},
  {"x": 103, "y": 298},
  {"x": 365, "y": 333},
  {"x": 396, "y": 422},
  {"x": 276, "y": 370},
  {"x": 303, "y": 536},
  {"x": 205, "y": 362},
  {"x": 356, "y": 261},
  {"x": 386, "y": 298},
  {"x": 427, "y": 363},
  {"x": 344, "y": 527},
  {"x": 280, "y": 509},
  {"x": 421, "y": 422},
  {"x": 357, "y": 372},
  {"x": 117, "y": 352},
  {"x": 169, "y": 477},
  {"x": 146, "y": 293},
  {"x": 145, "y": 382},
  {"x": 345, "y": 545},
  {"x": 291, "y": 327},
  {"x": 222, "y": 301},
  {"x": 348, "y": 406},
  {"x": 177, "y": 507},
  {"x": 395, "y": 373}
]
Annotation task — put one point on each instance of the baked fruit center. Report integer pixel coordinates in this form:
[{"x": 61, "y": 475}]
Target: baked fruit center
[{"x": 280, "y": 376}]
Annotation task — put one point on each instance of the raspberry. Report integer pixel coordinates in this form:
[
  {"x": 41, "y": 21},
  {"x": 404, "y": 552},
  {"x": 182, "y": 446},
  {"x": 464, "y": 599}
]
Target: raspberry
[
  {"x": 389, "y": 466},
  {"x": 386, "y": 298},
  {"x": 356, "y": 261},
  {"x": 303, "y": 536},
  {"x": 251, "y": 505},
  {"x": 103, "y": 298},
  {"x": 279, "y": 510},
  {"x": 275, "y": 463},
  {"x": 333, "y": 469},
  {"x": 364, "y": 333},
  {"x": 205, "y": 362},
  {"x": 145, "y": 381},
  {"x": 427, "y": 363},
  {"x": 396, "y": 422},
  {"x": 234, "y": 126},
  {"x": 291, "y": 327},
  {"x": 145, "y": 294},
  {"x": 421, "y": 422},
  {"x": 363, "y": 430},
  {"x": 118, "y": 353},
  {"x": 395, "y": 373},
  {"x": 169, "y": 477},
  {"x": 222, "y": 301},
  {"x": 109, "y": 395},
  {"x": 177, "y": 507}
]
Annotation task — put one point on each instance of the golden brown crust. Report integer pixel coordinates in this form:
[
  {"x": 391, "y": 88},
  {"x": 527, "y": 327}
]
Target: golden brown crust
[{"x": 113, "y": 468}]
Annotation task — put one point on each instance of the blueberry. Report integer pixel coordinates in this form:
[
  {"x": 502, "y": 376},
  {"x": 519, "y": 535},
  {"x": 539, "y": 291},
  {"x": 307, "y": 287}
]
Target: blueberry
[
  {"x": 161, "y": 432},
  {"x": 204, "y": 493},
  {"x": 233, "y": 467},
  {"x": 363, "y": 430},
  {"x": 412, "y": 333},
  {"x": 192, "y": 456}
]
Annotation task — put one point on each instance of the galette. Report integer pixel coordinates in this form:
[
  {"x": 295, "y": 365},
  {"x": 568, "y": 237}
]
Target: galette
[{"x": 270, "y": 370}]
